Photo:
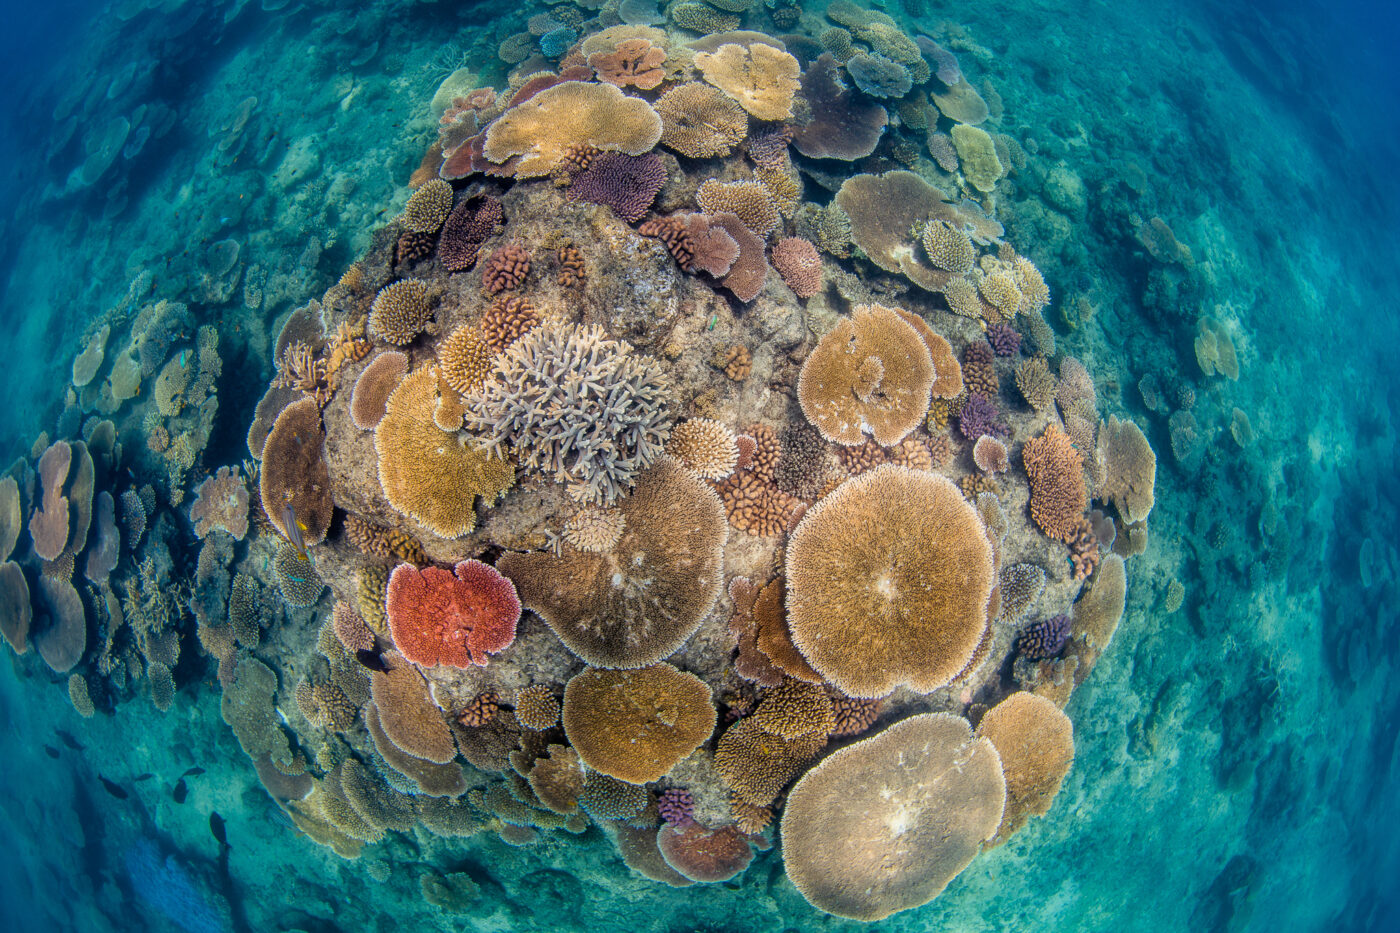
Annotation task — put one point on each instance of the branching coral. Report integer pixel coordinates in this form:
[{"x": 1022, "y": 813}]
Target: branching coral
[
  {"x": 888, "y": 582},
  {"x": 948, "y": 247},
  {"x": 455, "y": 617},
  {"x": 1058, "y": 494},
  {"x": 428, "y": 207},
  {"x": 627, "y": 184},
  {"x": 577, "y": 406},
  {"x": 635, "y": 725},
  {"x": 428, "y": 474},
  {"x": 535, "y": 134},
  {"x": 639, "y": 602},
  {"x": 872, "y": 373}
]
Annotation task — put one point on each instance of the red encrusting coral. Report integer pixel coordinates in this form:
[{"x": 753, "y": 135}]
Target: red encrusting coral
[
  {"x": 437, "y": 616},
  {"x": 627, "y": 184}
]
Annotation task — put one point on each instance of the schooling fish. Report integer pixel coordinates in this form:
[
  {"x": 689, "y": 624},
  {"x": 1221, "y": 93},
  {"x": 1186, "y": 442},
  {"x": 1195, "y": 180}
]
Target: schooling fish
[
  {"x": 113, "y": 788},
  {"x": 50, "y": 751},
  {"x": 180, "y": 792},
  {"x": 216, "y": 826},
  {"x": 68, "y": 739},
  {"x": 295, "y": 530},
  {"x": 372, "y": 659}
]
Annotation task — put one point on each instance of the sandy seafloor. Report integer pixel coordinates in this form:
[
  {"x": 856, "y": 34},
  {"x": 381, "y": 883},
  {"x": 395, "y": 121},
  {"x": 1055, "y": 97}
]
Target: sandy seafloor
[{"x": 1238, "y": 760}]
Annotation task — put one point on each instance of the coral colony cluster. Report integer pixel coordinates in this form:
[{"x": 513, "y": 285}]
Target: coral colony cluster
[{"x": 691, "y": 459}]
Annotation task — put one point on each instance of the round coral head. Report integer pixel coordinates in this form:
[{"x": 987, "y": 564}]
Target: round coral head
[{"x": 455, "y": 617}]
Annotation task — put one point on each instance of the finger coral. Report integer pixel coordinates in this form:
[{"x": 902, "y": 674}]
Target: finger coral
[
  {"x": 639, "y": 602},
  {"x": 635, "y": 725},
  {"x": 535, "y": 134},
  {"x": 883, "y": 825},
  {"x": 294, "y": 482},
  {"x": 428, "y": 474},
  {"x": 1058, "y": 493},
  {"x": 1035, "y": 741},
  {"x": 577, "y": 406},
  {"x": 700, "y": 121},
  {"x": 761, "y": 78},
  {"x": 888, "y": 582},
  {"x": 455, "y": 617},
  {"x": 872, "y": 373}
]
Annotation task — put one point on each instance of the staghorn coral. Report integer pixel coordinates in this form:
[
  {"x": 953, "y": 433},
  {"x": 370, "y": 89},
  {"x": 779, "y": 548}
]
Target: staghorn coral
[
  {"x": 221, "y": 501},
  {"x": 700, "y": 121},
  {"x": 627, "y": 184},
  {"x": 635, "y": 725},
  {"x": 1058, "y": 493},
  {"x": 747, "y": 200},
  {"x": 705, "y": 447},
  {"x": 464, "y": 359},
  {"x": 400, "y": 312},
  {"x": 505, "y": 269},
  {"x": 872, "y": 372},
  {"x": 454, "y": 617},
  {"x": 632, "y": 63},
  {"x": 536, "y": 708},
  {"x": 874, "y": 599},
  {"x": 639, "y": 602},
  {"x": 534, "y": 134},
  {"x": 883, "y": 825},
  {"x": 1035, "y": 742},
  {"x": 428, "y": 207},
  {"x": 575, "y": 405},
  {"x": 430, "y": 475},
  {"x": 294, "y": 483},
  {"x": 1129, "y": 469},
  {"x": 798, "y": 262},
  {"x": 761, "y": 78}
]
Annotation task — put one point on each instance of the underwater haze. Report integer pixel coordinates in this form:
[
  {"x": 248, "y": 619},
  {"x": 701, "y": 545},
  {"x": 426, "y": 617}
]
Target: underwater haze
[{"x": 779, "y": 465}]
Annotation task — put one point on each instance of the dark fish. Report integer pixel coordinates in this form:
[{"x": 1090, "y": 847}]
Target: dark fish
[
  {"x": 144, "y": 776},
  {"x": 68, "y": 739},
  {"x": 113, "y": 788},
  {"x": 372, "y": 659},
  {"x": 196, "y": 771},
  {"x": 50, "y": 751},
  {"x": 216, "y": 826},
  {"x": 180, "y": 792},
  {"x": 294, "y": 530}
]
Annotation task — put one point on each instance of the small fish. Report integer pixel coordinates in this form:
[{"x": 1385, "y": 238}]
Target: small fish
[
  {"x": 180, "y": 792},
  {"x": 50, "y": 751},
  {"x": 372, "y": 659},
  {"x": 113, "y": 788},
  {"x": 216, "y": 826},
  {"x": 295, "y": 530},
  {"x": 196, "y": 771},
  {"x": 68, "y": 739},
  {"x": 144, "y": 776}
]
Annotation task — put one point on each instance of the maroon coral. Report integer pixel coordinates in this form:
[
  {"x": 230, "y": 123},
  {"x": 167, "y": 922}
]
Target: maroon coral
[
  {"x": 676, "y": 805},
  {"x": 979, "y": 417},
  {"x": 705, "y": 855},
  {"x": 1004, "y": 339},
  {"x": 770, "y": 149},
  {"x": 469, "y": 225},
  {"x": 627, "y": 184},
  {"x": 843, "y": 126},
  {"x": 506, "y": 268},
  {"x": 798, "y": 262},
  {"x": 750, "y": 270},
  {"x": 455, "y": 617}
]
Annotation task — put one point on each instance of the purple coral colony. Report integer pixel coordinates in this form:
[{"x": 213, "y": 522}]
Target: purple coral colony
[{"x": 673, "y": 318}]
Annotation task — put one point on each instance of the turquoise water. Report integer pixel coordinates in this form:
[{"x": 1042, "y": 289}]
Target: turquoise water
[{"x": 1235, "y": 758}]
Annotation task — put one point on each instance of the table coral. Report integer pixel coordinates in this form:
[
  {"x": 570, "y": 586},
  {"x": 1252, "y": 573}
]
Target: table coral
[
  {"x": 536, "y": 133},
  {"x": 761, "y": 78},
  {"x": 632, "y": 62},
  {"x": 627, "y": 184},
  {"x": 1035, "y": 741},
  {"x": 454, "y": 617},
  {"x": 221, "y": 501}
]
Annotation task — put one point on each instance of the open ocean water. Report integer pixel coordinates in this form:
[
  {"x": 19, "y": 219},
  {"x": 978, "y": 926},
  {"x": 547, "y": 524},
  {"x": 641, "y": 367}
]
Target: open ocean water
[{"x": 213, "y": 718}]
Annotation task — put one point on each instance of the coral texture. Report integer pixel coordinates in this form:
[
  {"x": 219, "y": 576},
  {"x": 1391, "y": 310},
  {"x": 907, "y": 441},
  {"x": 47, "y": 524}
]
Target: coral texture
[
  {"x": 761, "y": 78},
  {"x": 535, "y": 134},
  {"x": 1058, "y": 493},
  {"x": 456, "y": 617}
]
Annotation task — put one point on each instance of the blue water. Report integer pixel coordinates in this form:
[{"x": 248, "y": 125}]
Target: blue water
[{"x": 1237, "y": 759}]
